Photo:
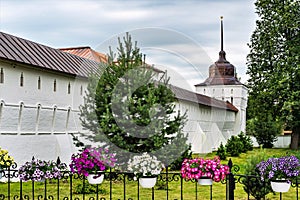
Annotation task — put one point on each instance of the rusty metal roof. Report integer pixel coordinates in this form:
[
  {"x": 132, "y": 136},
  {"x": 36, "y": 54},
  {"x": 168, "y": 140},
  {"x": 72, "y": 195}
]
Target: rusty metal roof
[
  {"x": 86, "y": 52},
  {"x": 27, "y": 52}
]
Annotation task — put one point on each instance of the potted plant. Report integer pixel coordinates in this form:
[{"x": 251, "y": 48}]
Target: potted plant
[
  {"x": 146, "y": 168},
  {"x": 90, "y": 162},
  {"x": 39, "y": 170},
  {"x": 279, "y": 171},
  {"x": 5, "y": 160},
  {"x": 205, "y": 171}
]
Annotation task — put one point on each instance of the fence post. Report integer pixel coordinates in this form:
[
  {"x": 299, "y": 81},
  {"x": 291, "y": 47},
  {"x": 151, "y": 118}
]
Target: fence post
[{"x": 230, "y": 182}]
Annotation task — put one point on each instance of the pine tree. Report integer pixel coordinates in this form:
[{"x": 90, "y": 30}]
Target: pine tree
[{"x": 132, "y": 109}]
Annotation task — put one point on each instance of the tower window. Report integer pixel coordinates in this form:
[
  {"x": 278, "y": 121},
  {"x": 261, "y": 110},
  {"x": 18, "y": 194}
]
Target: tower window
[
  {"x": 1, "y": 76},
  {"x": 231, "y": 100},
  {"x": 54, "y": 85},
  {"x": 81, "y": 90},
  {"x": 22, "y": 80},
  {"x": 39, "y": 83},
  {"x": 69, "y": 88}
]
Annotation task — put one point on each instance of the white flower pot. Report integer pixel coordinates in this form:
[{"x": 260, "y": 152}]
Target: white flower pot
[
  {"x": 205, "y": 181},
  {"x": 95, "y": 179},
  {"x": 280, "y": 186},
  {"x": 147, "y": 182}
]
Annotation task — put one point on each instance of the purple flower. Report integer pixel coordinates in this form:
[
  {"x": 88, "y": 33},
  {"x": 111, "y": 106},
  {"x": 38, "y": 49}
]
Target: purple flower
[
  {"x": 91, "y": 160},
  {"x": 279, "y": 168}
]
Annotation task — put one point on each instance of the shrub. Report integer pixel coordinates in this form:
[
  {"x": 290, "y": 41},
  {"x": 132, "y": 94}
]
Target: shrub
[
  {"x": 246, "y": 141},
  {"x": 252, "y": 182},
  {"x": 221, "y": 152},
  {"x": 176, "y": 165},
  {"x": 88, "y": 189},
  {"x": 234, "y": 146}
]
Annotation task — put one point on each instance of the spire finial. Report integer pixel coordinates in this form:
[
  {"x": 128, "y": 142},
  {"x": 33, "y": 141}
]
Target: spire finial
[{"x": 221, "y": 33}]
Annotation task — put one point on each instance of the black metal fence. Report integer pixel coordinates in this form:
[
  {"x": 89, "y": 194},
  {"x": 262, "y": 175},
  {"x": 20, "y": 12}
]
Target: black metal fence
[{"x": 120, "y": 185}]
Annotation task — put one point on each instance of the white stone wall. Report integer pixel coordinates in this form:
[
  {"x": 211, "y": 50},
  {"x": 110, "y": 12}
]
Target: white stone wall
[
  {"x": 37, "y": 121},
  {"x": 207, "y": 127},
  {"x": 235, "y": 94}
]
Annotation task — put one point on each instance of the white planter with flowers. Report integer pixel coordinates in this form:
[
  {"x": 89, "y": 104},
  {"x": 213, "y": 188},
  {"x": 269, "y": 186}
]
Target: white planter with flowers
[
  {"x": 95, "y": 178},
  {"x": 205, "y": 171},
  {"x": 147, "y": 182},
  {"x": 280, "y": 185},
  {"x": 204, "y": 180},
  {"x": 90, "y": 161},
  {"x": 280, "y": 171},
  {"x": 146, "y": 168}
]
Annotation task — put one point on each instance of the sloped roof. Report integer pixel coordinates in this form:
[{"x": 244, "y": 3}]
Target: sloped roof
[
  {"x": 86, "y": 52},
  {"x": 190, "y": 96},
  {"x": 16, "y": 49},
  {"x": 27, "y": 52}
]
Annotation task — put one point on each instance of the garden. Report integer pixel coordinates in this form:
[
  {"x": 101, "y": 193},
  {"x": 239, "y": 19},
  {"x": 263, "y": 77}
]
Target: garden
[{"x": 94, "y": 174}]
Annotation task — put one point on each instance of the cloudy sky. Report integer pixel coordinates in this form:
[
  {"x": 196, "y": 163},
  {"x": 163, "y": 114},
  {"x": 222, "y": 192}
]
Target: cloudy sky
[{"x": 180, "y": 36}]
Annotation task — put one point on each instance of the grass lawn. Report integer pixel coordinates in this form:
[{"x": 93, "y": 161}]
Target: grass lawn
[{"x": 131, "y": 187}]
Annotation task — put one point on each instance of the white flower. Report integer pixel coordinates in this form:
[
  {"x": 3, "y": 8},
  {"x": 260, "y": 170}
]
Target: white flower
[{"x": 145, "y": 164}]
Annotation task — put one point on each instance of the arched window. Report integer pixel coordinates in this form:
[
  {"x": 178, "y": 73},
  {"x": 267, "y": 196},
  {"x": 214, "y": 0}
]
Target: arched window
[
  {"x": 231, "y": 100},
  {"x": 1, "y": 75},
  {"x": 68, "y": 118},
  {"x": 22, "y": 80},
  {"x": 39, "y": 83},
  {"x": 53, "y": 118},
  {"x": 54, "y": 85},
  {"x": 20, "y": 116},
  {"x": 37, "y": 120},
  {"x": 69, "y": 88},
  {"x": 81, "y": 90},
  {"x": 1, "y": 110}
]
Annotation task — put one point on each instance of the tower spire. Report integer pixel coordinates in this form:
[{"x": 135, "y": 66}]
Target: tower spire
[
  {"x": 221, "y": 33},
  {"x": 222, "y": 53}
]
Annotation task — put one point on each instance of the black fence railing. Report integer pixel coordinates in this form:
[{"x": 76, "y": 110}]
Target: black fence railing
[{"x": 120, "y": 185}]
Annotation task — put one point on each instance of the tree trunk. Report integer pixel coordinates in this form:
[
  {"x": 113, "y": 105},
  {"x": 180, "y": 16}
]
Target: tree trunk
[{"x": 295, "y": 138}]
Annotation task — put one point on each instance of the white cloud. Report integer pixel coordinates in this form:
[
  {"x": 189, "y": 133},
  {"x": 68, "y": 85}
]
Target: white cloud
[{"x": 90, "y": 23}]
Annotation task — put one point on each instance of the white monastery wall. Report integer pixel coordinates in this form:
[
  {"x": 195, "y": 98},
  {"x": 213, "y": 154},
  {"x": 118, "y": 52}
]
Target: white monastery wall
[
  {"x": 235, "y": 94},
  {"x": 207, "y": 127},
  {"x": 36, "y": 119}
]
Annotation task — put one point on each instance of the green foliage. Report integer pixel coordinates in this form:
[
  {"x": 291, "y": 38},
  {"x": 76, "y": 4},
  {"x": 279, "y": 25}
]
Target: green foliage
[
  {"x": 176, "y": 165},
  {"x": 131, "y": 108},
  {"x": 161, "y": 185},
  {"x": 265, "y": 132},
  {"x": 274, "y": 66},
  {"x": 234, "y": 146},
  {"x": 246, "y": 141},
  {"x": 221, "y": 152},
  {"x": 86, "y": 188},
  {"x": 252, "y": 183}
]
